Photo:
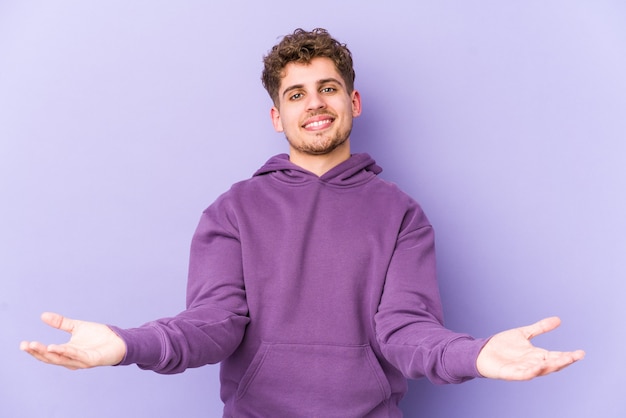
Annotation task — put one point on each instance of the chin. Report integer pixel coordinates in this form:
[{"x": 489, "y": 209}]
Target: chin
[{"x": 320, "y": 148}]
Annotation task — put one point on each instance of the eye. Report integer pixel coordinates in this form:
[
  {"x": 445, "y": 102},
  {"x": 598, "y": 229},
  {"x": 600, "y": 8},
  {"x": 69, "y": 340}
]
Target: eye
[
  {"x": 328, "y": 90},
  {"x": 295, "y": 96}
]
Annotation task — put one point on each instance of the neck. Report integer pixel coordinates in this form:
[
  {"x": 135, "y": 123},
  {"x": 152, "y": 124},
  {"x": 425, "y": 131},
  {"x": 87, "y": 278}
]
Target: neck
[{"x": 320, "y": 164}]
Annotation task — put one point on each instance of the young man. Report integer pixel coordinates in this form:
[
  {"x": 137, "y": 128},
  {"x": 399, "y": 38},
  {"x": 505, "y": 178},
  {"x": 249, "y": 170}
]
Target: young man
[{"x": 313, "y": 282}]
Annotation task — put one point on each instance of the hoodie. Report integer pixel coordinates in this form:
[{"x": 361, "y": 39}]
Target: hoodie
[{"x": 318, "y": 295}]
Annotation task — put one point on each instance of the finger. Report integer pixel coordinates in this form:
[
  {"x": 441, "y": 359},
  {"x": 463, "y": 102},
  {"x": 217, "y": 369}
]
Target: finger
[
  {"x": 32, "y": 347},
  {"x": 37, "y": 350},
  {"x": 67, "y": 351},
  {"x": 578, "y": 355},
  {"x": 58, "y": 355},
  {"x": 72, "y": 355},
  {"x": 541, "y": 327},
  {"x": 58, "y": 321},
  {"x": 65, "y": 358},
  {"x": 566, "y": 358},
  {"x": 59, "y": 360},
  {"x": 557, "y": 361}
]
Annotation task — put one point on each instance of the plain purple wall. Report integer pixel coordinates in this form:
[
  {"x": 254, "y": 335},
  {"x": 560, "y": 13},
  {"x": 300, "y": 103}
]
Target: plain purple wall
[{"x": 120, "y": 121}]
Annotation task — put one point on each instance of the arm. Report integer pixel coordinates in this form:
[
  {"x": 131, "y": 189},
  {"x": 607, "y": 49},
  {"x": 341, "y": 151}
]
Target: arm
[
  {"x": 214, "y": 322},
  {"x": 509, "y": 355},
  {"x": 208, "y": 331},
  {"x": 411, "y": 333},
  {"x": 409, "y": 321}
]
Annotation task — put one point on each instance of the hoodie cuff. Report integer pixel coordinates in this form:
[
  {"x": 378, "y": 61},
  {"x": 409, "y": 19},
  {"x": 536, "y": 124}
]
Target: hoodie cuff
[
  {"x": 460, "y": 358},
  {"x": 143, "y": 345}
]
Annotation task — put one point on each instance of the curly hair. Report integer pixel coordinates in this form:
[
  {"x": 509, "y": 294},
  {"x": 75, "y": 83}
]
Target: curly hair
[{"x": 302, "y": 46}]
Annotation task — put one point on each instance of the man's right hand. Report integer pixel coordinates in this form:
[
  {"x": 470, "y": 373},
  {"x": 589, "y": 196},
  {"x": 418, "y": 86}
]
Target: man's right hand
[{"x": 91, "y": 344}]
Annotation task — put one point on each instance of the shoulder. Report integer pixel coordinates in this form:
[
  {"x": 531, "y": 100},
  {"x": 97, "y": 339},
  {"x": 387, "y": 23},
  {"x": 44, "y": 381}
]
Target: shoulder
[{"x": 390, "y": 190}]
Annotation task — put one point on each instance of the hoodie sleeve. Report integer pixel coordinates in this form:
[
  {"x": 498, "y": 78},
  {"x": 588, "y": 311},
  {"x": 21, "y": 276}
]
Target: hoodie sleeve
[
  {"x": 409, "y": 320},
  {"x": 213, "y": 324}
]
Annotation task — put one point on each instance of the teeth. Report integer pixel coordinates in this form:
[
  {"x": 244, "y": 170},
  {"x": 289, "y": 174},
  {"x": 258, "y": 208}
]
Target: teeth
[{"x": 318, "y": 123}]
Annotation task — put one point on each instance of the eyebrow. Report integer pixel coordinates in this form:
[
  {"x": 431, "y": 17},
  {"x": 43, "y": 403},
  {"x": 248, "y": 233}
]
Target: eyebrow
[{"x": 319, "y": 83}]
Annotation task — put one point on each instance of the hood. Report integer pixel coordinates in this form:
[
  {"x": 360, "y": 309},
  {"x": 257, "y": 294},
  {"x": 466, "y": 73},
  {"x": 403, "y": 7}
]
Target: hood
[{"x": 357, "y": 169}]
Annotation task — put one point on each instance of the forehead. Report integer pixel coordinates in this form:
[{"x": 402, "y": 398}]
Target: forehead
[{"x": 317, "y": 69}]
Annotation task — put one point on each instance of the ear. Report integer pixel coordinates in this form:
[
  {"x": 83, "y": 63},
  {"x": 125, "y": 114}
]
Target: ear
[
  {"x": 276, "y": 121},
  {"x": 356, "y": 103}
]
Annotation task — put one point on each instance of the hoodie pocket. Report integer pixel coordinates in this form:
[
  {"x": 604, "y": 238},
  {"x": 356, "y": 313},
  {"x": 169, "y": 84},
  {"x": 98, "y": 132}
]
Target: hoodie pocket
[{"x": 321, "y": 378}]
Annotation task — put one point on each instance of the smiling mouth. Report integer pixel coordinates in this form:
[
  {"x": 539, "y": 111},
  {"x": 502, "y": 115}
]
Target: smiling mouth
[{"x": 319, "y": 123}]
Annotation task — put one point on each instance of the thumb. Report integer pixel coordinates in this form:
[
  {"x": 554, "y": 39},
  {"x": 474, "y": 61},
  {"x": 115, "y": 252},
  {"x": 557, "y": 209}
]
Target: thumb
[
  {"x": 58, "y": 321},
  {"x": 541, "y": 327}
]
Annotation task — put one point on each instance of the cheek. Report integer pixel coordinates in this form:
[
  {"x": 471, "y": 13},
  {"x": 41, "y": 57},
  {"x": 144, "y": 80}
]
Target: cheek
[{"x": 287, "y": 121}]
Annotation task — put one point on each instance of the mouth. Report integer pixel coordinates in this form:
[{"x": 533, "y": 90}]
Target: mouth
[{"x": 318, "y": 122}]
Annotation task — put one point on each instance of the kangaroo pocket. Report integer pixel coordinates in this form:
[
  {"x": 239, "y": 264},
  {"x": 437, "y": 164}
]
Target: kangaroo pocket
[{"x": 313, "y": 380}]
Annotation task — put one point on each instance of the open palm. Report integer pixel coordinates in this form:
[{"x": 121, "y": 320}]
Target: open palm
[
  {"x": 510, "y": 355},
  {"x": 91, "y": 344}
]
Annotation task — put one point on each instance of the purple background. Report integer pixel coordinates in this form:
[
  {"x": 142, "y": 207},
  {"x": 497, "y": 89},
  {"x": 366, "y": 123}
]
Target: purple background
[{"x": 120, "y": 121}]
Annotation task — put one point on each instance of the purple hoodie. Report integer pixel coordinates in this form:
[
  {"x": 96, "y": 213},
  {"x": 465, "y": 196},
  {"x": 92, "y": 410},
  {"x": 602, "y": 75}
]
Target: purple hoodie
[{"x": 318, "y": 295}]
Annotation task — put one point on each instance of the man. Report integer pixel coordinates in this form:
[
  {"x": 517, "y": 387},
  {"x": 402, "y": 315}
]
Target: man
[{"x": 313, "y": 282}]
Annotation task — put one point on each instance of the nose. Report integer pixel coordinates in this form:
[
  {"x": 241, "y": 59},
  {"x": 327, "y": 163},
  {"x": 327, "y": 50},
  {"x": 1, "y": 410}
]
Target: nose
[{"x": 316, "y": 101}]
